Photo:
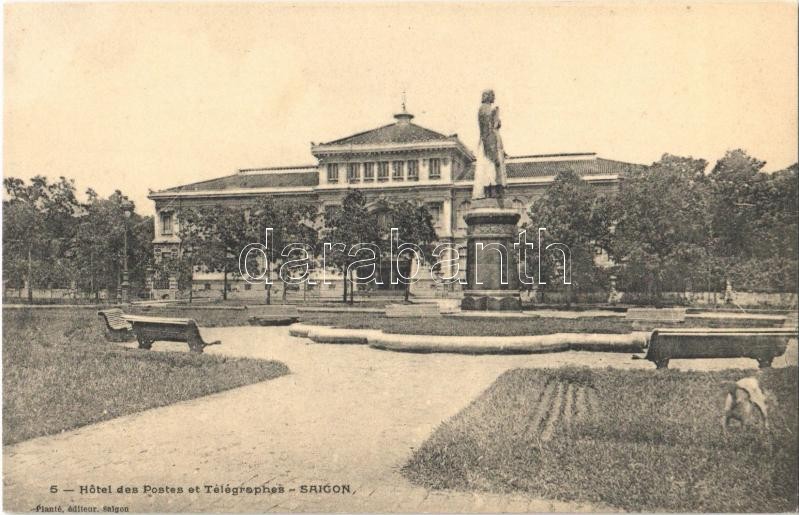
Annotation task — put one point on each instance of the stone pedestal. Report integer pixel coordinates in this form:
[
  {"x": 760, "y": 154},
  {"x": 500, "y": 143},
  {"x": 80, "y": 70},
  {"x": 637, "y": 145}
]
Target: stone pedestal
[{"x": 494, "y": 226}]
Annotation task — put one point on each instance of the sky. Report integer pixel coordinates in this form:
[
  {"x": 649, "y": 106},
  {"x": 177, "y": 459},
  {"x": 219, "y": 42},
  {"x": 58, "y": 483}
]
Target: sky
[{"x": 147, "y": 96}]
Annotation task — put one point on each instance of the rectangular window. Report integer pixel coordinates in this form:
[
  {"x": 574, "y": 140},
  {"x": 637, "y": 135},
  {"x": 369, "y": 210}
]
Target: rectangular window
[
  {"x": 207, "y": 286},
  {"x": 368, "y": 171},
  {"x": 353, "y": 172},
  {"x": 382, "y": 171},
  {"x": 398, "y": 170},
  {"x": 434, "y": 171},
  {"x": 435, "y": 213},
  {"x": 413, "y": 170},
  {"x": 247, "y": 286},
  {"x": 166, "y": 223},
  {"x": 332, "y": 172}
]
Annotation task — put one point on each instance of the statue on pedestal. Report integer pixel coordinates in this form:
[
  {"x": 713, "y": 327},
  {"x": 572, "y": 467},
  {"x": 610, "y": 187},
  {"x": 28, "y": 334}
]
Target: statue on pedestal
[
  {"x": 489, "y": 171},
  {"x": 492, "y": 281}
]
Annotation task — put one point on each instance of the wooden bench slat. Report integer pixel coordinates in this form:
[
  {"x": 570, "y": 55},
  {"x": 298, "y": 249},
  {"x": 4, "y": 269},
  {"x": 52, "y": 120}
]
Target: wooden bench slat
[
  {"x": 157, "y": 320},
  {"x": 117, "y": 329}
]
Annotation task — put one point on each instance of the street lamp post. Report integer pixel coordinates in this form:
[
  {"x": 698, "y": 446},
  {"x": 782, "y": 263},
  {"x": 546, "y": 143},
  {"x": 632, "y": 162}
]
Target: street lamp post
[{"x": 125, "y": 282}]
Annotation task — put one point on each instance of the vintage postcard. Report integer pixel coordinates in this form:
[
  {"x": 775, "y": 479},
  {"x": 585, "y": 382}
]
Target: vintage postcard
[{"x": 389, "y": 257}]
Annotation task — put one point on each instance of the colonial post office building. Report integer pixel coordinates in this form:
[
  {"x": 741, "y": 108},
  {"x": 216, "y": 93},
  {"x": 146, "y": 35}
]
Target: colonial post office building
[{"x": 401, "y": 160}]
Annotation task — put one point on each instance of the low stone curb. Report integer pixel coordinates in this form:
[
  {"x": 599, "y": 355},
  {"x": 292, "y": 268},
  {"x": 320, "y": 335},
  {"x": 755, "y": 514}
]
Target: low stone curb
[
  {"x": 345, "y": 336},
  {"x": 325, "y": 334},
  {"x": 558, "y": 342},
  {"x": 300, "y": 330}
]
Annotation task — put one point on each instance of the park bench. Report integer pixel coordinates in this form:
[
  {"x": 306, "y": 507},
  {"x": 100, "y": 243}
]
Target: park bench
[
  {"x": 426, "y": 310},
  {"x": 152, "y": 329},
  {"x": 762, "y": 344},
  {"x": 117, "y": 329}
]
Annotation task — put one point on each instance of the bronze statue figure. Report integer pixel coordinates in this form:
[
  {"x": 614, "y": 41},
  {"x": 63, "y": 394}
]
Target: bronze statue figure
[{"x": 489, "y": 174}]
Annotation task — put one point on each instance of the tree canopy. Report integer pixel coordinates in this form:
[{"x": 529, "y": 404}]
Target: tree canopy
[
  {"x": 577, "y": 215},
  {"x": 50, "y": 239}
]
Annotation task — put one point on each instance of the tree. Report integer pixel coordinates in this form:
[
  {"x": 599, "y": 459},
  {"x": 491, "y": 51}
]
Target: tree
[
  {"x": 292, "y": 222},
  {"x": 38, "y": 229},
  {"x": 777, "y": 225},
  {"x": 214, "y": 236},
  {"x": 414, "y": 225},
  {"x": 662, "y": 224},
  {"x": 754, "y": 222},
  {"x": 767, "y": 258},
  {"x": 576, "y": 215},
  {"x": 102, "y": 226},
  {"x": 735, "y": 186},
  {"x": 350, "y": 225}
]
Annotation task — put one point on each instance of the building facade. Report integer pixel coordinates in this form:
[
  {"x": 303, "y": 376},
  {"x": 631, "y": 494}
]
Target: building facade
[{"x": 398, "y": 161}]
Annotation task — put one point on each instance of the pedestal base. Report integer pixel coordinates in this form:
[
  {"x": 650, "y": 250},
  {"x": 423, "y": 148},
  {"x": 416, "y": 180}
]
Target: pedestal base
[
  {"x": 491, "y": 268},
  {"x": 497, "y": 300}
]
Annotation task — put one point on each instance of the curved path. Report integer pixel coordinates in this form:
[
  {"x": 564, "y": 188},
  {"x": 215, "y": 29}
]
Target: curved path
[{"x": 345, "y": 415}]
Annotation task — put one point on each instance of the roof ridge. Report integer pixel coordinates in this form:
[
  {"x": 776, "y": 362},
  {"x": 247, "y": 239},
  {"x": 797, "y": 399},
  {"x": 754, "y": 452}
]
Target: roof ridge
[
  {"x": 180, "y": 187},
  {"x": 334, "y": 142},
  {"x": 424, "y": 132},
  {"x": 277, "y": 168},
  {"x": 560, "y": 154},
  {"x": 617, "y": 161}
]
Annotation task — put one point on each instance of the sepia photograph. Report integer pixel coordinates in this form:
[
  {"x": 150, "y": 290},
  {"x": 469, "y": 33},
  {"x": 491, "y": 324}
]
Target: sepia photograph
[{"x": 400, "y": 257}]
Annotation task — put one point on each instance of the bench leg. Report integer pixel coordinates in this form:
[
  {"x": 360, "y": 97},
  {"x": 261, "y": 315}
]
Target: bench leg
[
  {"x": 195, "y": 344},
  {"x": 145, "y": 343},
  {"x": 764, "y": 362},
  {"x": 662, "y": 363}
]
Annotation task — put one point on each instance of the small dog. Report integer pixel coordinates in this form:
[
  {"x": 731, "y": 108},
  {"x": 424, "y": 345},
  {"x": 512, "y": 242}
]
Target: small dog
[{"x": 744, "y": 401}]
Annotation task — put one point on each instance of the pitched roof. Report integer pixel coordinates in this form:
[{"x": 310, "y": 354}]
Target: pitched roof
[
  {"x": 530, "y": 169},
  {"x": 392, "y": 133},
  {"x": 265, "y": 178}
]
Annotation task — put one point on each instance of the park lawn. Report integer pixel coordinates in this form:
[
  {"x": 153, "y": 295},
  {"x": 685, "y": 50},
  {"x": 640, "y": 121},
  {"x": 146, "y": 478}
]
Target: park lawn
[
  {"x": 60, "y": 373},
  {"x": 635, "y": 440},
  {"x": 469, "y": 326},
  {"x": 505, "y": 326}
]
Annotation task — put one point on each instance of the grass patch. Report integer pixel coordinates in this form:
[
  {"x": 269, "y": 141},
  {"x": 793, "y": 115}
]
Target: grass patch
[
  {"x": 465, "y": 326},
  {"x": 636, "y": 440},
  {"x": 506, "y": 326},
  {"x": 59, "y": 373}
]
